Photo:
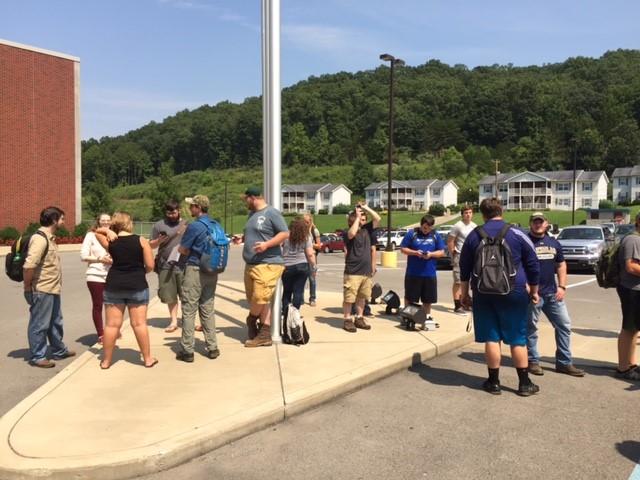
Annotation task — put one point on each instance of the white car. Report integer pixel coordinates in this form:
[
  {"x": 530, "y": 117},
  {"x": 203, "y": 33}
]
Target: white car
[
  {"x": 396, "y": 239},
  {"x": 444, "y": 231}
]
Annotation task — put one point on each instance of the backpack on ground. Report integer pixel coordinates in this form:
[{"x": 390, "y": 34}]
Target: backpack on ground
[
  {"x": 294, "y": 331},
  {"x": 14, "y": 262},
  {"x": 493, "y": 266},
  {"x": 216, "y": 253},
  {"x": 607, "y": 267}
]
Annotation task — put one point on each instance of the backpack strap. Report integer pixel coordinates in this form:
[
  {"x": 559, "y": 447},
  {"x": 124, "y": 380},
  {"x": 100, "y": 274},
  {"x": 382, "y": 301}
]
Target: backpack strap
[
  {"x": 46, "y": 249},
  {"x": 482, "y": 232},
  {"x": 503, "y": 232}
]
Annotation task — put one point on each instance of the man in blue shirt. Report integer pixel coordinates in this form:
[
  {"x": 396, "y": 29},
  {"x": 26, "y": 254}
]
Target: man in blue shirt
[
  {"x": 198, "y": 289},
  {"x": 422, "y": 246},
  {"x": 549, "y": 252},
  {"x": 502, "y": 318}
]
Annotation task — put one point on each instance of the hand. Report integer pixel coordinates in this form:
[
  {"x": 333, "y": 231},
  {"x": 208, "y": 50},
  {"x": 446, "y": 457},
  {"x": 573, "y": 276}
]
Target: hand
[
  {"x": 374, "y": 270},
  {"x": 560, "y": 293},
  {"x": 28, "y": 296},
  {"x": 465, "y": 300},
  {"x": 426, "y": 255},
  {"x": 106, "y": 259},
  {"x": 111, "y": 235},
  {"x": 260, "y": 247},
  {"x": 535, "y": 298}
]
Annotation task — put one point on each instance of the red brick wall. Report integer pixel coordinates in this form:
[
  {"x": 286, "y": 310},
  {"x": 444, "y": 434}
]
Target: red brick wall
[{"x": 37, "y": 136}]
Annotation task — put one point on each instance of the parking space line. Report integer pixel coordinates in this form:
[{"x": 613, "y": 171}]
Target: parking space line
[{"x": 591, "y": 280}]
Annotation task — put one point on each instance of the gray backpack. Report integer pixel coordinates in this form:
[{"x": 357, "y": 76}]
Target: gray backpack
[{"x": 493, "y": 266}]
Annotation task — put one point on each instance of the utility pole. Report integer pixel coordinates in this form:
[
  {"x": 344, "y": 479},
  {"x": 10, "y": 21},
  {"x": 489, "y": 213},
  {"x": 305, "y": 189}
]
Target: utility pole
[
  {"x": 573, "y": 186},
  {"x": 225, "y": 207},
  {"x": 497, "y": 162}
]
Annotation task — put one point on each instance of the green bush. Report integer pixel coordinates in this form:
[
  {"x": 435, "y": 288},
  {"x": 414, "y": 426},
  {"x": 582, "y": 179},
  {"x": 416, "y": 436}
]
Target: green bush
[
  {"x": 81, "y": 229},
  {"x": 323, "y": 211},
  {"x": 606, "y": 204},
  {"x": 31, "y": 228},
  {"x": 437, "y": 210},
  {"x": 341, "y": 208},
  {"x": 62, "y": 232},
  {"x": 9, "y": 233}
]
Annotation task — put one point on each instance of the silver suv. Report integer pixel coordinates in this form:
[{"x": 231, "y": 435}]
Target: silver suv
[{"x": 582, "y": 245}]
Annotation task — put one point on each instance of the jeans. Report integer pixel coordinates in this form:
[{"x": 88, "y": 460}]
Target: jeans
[
  {"x": 312, "y": 287},
  {"x": 198, "y": 293},
  {"x": 45, "y": 322},
  {"x": 558, "y": 315},
  {"x": 294, "y": 279}
]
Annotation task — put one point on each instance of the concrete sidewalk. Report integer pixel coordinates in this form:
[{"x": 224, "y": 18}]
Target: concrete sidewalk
[{"x": 88, "y": 423}]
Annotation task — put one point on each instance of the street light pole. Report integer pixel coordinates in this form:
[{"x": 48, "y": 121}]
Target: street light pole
[
  {"x": 225, "y": 207},
  {"x": 392, "y": 63},
  {"x": 573, "y": 187}
]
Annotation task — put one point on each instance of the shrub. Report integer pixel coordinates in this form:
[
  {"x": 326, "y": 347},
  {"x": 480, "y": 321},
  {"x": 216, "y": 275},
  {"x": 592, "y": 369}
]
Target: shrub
[
  {"x": 323, "y": 211},
  {"x": 606, "y": 204},
  {"x": 62, "y": 233},
  {"x": 636, "y": 202},
  {"x": 31, "y": 228},
  {"x": 626, "y": 203},
  {"x": 9, "y": 233},
  {"x": 81, "y": 229},
  {"x": 437, "y": 210},
  {"x": 341, "y": 208},
  {"x": 453, "y": 208}
]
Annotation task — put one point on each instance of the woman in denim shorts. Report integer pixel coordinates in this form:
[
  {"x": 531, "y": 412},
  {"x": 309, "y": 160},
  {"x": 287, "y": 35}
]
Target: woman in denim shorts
[{"x": 126, "y": 285}]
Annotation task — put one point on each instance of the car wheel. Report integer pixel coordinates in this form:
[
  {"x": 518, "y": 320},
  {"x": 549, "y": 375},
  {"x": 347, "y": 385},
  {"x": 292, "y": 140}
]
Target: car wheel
[
  {"x": 326, "y": 250},
  {"x": 393, "y": 245}
]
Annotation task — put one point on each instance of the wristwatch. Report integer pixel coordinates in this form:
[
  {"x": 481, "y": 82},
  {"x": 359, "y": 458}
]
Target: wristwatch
[{"x": 562, "y": 287}]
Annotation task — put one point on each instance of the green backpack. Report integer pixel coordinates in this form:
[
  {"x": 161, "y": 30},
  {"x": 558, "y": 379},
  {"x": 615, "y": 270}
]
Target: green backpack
[{"x": 608, "y": 266}]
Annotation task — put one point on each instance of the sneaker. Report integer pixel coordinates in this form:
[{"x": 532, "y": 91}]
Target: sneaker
[
  {"x": 213, "y": 354},
  {"x": 631, "y": 373},
  {"x": 67, "y": 354},
  {"x": 528, "y": 389},
  {"x": 349, "y": 326},
  {"x": 570, "y": 370},
  {"x": 312, "y": 303},
  {"x": 360, "y": 323},
  {"x": 460, "y": 311},
  {"x": 492, "y": 388},
  {"x": 44, "y": 363},
  {"x": 535, "y": 369},
  {"x": 184, "y": 357}
]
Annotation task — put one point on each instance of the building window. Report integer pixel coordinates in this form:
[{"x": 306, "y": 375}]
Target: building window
[
  {"x": 637, "y": 195},
  {"x": 326, "y": 196},
  {"x": 586, "y": 202},
  {"x": 503, "y": 187},
  {"x": 436, "y": 192},
  {"x": 623, "y": 181},
  {"x": 420, "y": 193},
  {"x": 563, "y": 187},
  {"x": 487, "y": 189},
  {"x": 637, "y": 180},
  {"x": 587, "y": 187},
  {"x": 311, "y": 196}
]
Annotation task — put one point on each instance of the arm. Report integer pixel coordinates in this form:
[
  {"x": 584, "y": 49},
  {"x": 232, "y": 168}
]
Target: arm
[
  {"x": 316, "y": 238},
  {"x": 311, "y": 258},
  {"x": 451, "y": 243},
  {"x": 85, "y": 250},
  {"x": 35, "y": 252},
  {"x": 465, "y": 298},
  {"x": 147, "y": 254},
  {"x": 632, "y": 266},
  {"x": 561, "y": 270},
  {"x": 406, "y": 246},
  {"x": 375, "y": 218},
  {"x": 353, "y": 229},
  {"x": 260, "y": 247}
]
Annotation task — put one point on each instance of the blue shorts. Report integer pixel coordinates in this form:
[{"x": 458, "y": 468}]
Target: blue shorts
[
  {"x": 501, "y": 317},
  {"x": 126, "y": 297}
]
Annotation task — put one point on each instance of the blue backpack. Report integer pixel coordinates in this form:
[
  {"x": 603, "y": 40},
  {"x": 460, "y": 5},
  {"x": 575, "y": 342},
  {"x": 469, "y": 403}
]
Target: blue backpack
[{"x": 216, "y": 253}]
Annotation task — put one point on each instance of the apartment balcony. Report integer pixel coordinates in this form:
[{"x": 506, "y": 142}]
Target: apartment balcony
[
  {"x": 530, "y": 191},
  {"x": 527, "y": 206}
]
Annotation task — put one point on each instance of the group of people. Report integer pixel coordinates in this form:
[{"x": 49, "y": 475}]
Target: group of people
[{"x": 118, "y": 261}]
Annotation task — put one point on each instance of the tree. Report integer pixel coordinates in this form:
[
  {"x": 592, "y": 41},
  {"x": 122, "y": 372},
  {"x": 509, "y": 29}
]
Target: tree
[
  {"x": 361, "y": 175},
  {"x": 164, "y": 189},
  {"x": 453, "y": 163},
  {"x": 98, "y": 196}
]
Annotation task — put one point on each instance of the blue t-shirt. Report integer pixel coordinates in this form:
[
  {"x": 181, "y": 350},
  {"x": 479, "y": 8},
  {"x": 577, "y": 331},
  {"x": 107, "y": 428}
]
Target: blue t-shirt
[
  {"x": 549, "y": 252},
  {"x": 524, "y": 255},
  {"x": 416, "y": 240},
  {"x": 194, "y": 239}
]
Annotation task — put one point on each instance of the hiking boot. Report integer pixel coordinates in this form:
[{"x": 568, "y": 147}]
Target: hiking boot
[
  {"x": 213, "y": 354},
  {"x": 535, "y": 369},
  {"x": 184, "y": 357},
  {"x": 349, "y": 326},
  {"x": 360, "y": 323},
  {"x": 67, "y": 354},
  {"x": 460, "y": 311},
  {"x": 312, "y": 303},
  {"x": 570, "y": 370},
  {"x": 492, "y": 388},
  {"x": 252, "y": 326},
  {"x": 262, "y": 339},
  {"x": 528, "y": 389},
  {"x": 44, "y": 363}
]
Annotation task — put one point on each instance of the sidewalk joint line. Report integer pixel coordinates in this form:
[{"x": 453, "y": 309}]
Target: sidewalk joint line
[{"x": 284, "y": 400}]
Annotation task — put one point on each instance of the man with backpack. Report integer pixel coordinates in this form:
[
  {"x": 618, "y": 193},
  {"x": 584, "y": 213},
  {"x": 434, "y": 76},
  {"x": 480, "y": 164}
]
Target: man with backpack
[
  {"x": 498, "y": 262},
  {"x": 42, "y": 277},
  {"x": 549, "y": 252},
  {"x": 629, "y": 294},
  {"x": 198, "y": 287}
]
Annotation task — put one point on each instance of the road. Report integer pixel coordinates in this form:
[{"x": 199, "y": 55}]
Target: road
[{"x": 427, "y": 422}]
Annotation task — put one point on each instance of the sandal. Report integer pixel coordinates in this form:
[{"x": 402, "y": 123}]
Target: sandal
[
  {"x": 152, "y": 364},
  {"x": 198, "y": 328},
  {"x": 171, "y": 328},
  {"x": 103, "y": 367}
]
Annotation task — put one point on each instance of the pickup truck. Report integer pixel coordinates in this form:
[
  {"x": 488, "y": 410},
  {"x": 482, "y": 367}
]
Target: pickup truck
[{"x": 582, "y": 245}]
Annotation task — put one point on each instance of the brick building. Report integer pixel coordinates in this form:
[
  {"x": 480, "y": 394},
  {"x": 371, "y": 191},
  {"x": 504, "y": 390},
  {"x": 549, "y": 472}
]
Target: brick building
[{"x": 39, "y": 134}]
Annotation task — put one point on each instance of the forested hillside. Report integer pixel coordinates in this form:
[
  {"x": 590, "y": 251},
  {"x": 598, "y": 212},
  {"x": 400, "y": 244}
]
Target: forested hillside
[{"x": 450, "y": 121}]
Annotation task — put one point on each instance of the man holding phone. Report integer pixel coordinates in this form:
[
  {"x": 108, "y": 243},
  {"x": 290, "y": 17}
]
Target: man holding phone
[{"x": 423, "y": 246}]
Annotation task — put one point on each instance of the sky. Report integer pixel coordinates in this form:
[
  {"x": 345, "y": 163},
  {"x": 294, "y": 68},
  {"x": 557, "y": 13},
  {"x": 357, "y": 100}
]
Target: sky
[{"x": 144, "y": 60}]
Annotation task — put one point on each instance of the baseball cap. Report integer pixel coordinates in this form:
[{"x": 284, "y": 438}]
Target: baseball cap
[
  {"x": 200, "y": 200},
  {"x": 537, "y": 216},
  {"x": 253, "y": 191}
]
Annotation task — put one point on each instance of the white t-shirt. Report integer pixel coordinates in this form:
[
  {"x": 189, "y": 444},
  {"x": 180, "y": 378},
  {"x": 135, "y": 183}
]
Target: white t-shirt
[{"x": 460, "y": 232}]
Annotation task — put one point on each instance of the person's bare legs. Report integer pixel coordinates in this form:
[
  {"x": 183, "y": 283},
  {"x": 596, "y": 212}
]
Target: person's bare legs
[
  {"x": 427, "y": 308},
  {"x": 113, "y": 322},
  {"x": 519, "y": 356},
  {"x": 492, "y": 354},
  {"x": 138, "y": 318},
  {"x": 626, "y": 349},
  {"x": 360, "y": 306},
  {"x": 346, "y": 310},
  {"x": 173, "y": 314}
]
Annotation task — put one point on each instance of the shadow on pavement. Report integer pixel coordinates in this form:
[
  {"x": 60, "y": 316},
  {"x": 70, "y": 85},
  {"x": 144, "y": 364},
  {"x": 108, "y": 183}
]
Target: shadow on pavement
[
  {"x": 450, "y": 378},
  {"x": 587, "y": 332},
  {"x": 629, "y": 449},
  {"x": 335, "y": 322},
  {"x": 478, "y": 357},
  {"x": 242, "y": 302},
  {"x": 159, "y": 322},
  {"x": 22, "y": 353},
  {"x": 127, "y": 355},
  {"x": 88, "y": 340},
  {"x": 223, "y": 285},
  {"x": 333, "y": 310}
]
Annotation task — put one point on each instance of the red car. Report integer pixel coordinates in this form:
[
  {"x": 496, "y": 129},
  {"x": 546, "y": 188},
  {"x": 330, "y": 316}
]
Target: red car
[{"x": 331, "y": 242}]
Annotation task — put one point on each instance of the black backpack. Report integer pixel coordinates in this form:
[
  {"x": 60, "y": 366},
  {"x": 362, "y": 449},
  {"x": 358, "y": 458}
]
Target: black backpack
[
  {"x": 14, "y": 262},
  {"x": 493, "y": 266},
  {"x": 608, "y": 267}
]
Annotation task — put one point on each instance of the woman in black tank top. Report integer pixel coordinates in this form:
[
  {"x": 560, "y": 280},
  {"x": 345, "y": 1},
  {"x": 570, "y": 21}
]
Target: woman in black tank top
[{"x": 126, "y": 286}]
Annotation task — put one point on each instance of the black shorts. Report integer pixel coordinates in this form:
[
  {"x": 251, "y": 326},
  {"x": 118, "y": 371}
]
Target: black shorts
[
  {"x": 417, "y": 289},
  {"x": 630, "y": 303}
]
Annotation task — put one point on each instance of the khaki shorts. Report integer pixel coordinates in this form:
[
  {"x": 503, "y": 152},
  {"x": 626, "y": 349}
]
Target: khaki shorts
[
  {"x": 260, "y": 282},
  {"x": 170, "y": 285},
  {"x": 356, "y": 287},
  {"x": 455, "y": 262}
]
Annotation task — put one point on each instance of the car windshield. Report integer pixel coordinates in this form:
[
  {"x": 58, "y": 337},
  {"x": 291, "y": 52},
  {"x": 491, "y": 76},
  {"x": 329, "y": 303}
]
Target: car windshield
[
  {"x": 581, "y": 234},
  {"x": 625, "y": 229}
]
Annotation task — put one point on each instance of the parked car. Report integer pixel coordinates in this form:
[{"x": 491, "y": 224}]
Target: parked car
[
  {"x": 396, "y": 239},
  {"x": 623, "y": 230},
  {"x": 444, "y": 230},
  {"x": 331, "y": 242},
  {"x": 582, "y": 245}
]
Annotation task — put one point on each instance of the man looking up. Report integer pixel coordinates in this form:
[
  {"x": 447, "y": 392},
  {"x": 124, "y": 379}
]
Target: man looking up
[
  {"x": 455, "y": 240},
  {"x": 264, "y": 232}
]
